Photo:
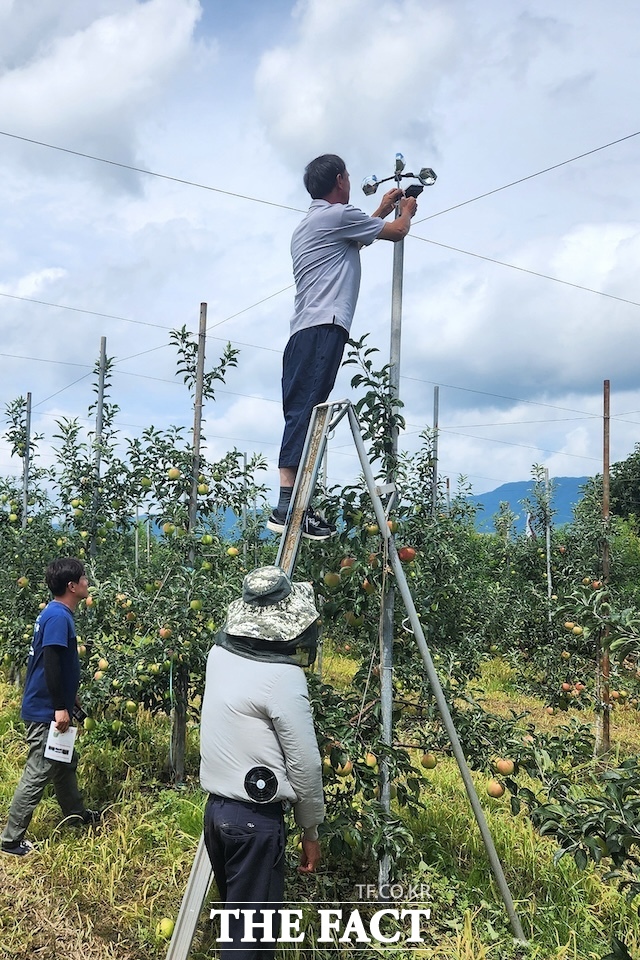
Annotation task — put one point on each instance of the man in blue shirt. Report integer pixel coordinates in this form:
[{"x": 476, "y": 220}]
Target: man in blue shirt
[
  {"x": 50, "y": 692},
  {"x": 325, "y": 249}
]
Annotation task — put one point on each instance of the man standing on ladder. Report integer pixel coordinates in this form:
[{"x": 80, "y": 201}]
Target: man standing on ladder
[
  {"x": 259, "y": 753},
  {"x": 325, "y": 248}
]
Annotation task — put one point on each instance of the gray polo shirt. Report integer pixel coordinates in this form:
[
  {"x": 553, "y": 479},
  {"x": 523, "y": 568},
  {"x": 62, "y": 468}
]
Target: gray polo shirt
[{"x": 325, "y": 248}]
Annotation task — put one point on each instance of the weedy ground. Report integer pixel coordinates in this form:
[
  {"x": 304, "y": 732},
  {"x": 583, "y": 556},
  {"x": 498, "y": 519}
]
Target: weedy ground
[{"x": 100, "y": 894}]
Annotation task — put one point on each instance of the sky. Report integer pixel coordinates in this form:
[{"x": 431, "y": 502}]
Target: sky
[{"x": 521, "y": 290}]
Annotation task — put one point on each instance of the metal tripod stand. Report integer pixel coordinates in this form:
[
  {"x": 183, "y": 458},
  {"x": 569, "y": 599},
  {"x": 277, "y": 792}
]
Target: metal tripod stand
[{"x": 325, "y": 418}]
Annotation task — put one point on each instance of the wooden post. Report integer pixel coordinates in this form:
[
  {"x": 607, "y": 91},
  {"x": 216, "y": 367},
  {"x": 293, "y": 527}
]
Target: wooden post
[
  {"x": 244, "y": 512},
  {"x": 93, "y": 547},
  {"x": 25, "y": 463},
  {"x": 547, "y": 525},
  {"x": 197, "y": 425}
]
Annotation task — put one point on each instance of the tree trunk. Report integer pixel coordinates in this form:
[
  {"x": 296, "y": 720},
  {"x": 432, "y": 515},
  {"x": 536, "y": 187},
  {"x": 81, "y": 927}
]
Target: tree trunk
[{"x": 179, "y": 724}]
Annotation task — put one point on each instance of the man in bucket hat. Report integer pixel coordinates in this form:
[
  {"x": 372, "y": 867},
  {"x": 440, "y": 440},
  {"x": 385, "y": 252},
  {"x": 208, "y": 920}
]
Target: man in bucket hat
[{"x": 259, "y": 753}]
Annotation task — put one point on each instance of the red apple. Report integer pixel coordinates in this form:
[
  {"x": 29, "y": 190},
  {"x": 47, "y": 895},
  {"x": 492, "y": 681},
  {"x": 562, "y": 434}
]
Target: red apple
[{"x": 406, "y": 554}]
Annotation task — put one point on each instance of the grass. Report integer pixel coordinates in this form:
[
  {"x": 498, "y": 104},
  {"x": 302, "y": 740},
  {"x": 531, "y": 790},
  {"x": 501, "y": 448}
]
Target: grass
[
  {"x": 99, "y": 895},
  {"x": 558, "y": 905},
  {"x": 498, "y": 692},
  {"x": 97, "y": 891}
]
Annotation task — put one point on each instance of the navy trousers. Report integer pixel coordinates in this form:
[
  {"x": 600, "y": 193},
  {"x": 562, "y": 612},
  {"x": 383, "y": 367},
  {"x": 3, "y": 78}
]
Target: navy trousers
[
  {"x": 310, "y": 365},
  {"x": 246, "y": 842}
]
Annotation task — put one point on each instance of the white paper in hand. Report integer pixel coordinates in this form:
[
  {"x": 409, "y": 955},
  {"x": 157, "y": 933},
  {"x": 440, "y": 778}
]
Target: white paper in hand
[{"x": 60, "y": 745}]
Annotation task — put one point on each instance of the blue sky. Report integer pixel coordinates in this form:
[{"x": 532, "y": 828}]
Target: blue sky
[{"x": 237, "y": 98}]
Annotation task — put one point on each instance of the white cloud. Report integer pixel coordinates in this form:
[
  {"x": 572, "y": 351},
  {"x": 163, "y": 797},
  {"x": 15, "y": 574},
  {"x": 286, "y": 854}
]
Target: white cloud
[
  {"x": 355, "y": 76},
  {"x": 32, "y": 283},
  {"x": 87, "y": 85}
]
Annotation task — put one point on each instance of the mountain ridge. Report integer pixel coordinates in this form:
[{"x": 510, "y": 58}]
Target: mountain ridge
[{"x": 566, "y": 492}]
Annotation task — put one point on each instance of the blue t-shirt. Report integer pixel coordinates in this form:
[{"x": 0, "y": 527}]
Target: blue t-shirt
[{"x": 54, "y": 627}]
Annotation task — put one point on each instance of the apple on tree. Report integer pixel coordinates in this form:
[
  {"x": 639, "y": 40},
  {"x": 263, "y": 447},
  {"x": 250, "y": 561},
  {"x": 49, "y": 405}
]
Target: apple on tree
[
  {"x": 344, "y": 769},
  {"x": 406, "y": 554},
  {"x": 495, "y": 789},
  {"x": 504, "y": 766},
  {"x": 353, "y": 619}
]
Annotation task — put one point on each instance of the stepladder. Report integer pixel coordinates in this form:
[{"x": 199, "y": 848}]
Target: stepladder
[{"x": 325, "y": 418}]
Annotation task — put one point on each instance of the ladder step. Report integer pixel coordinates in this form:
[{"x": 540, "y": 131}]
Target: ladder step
[
  {"x": 382, "y": 489},
  {"x": 324, "y": 418}
]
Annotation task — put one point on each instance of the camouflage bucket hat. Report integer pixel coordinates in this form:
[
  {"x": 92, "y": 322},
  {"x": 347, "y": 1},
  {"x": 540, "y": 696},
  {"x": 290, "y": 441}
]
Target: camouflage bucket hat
[{"x": 272, "y": 607}]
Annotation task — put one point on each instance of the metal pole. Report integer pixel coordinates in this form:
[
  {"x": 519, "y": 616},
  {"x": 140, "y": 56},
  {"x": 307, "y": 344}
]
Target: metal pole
[
  {"x": 198, "y": 884},
  {"x": 434, "y": 480},
  {"x": 136, "y": 540},
  {"x": 388, "y": 596},
  {"x": 325, "y": 470},
  {"x": 434, "y": 680},
  {"x": 25, "y": 463},
  {"x": 93, "y": 547},
  {"x": 603, "y": 718},
  {"x": 197, "y": 425},
  {"x": 548, "y": 538}
]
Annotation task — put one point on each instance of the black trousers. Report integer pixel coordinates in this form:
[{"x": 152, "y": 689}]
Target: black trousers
[
  {"x": 245, "y": 842},
  {"x": 310, "y": 364}
]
